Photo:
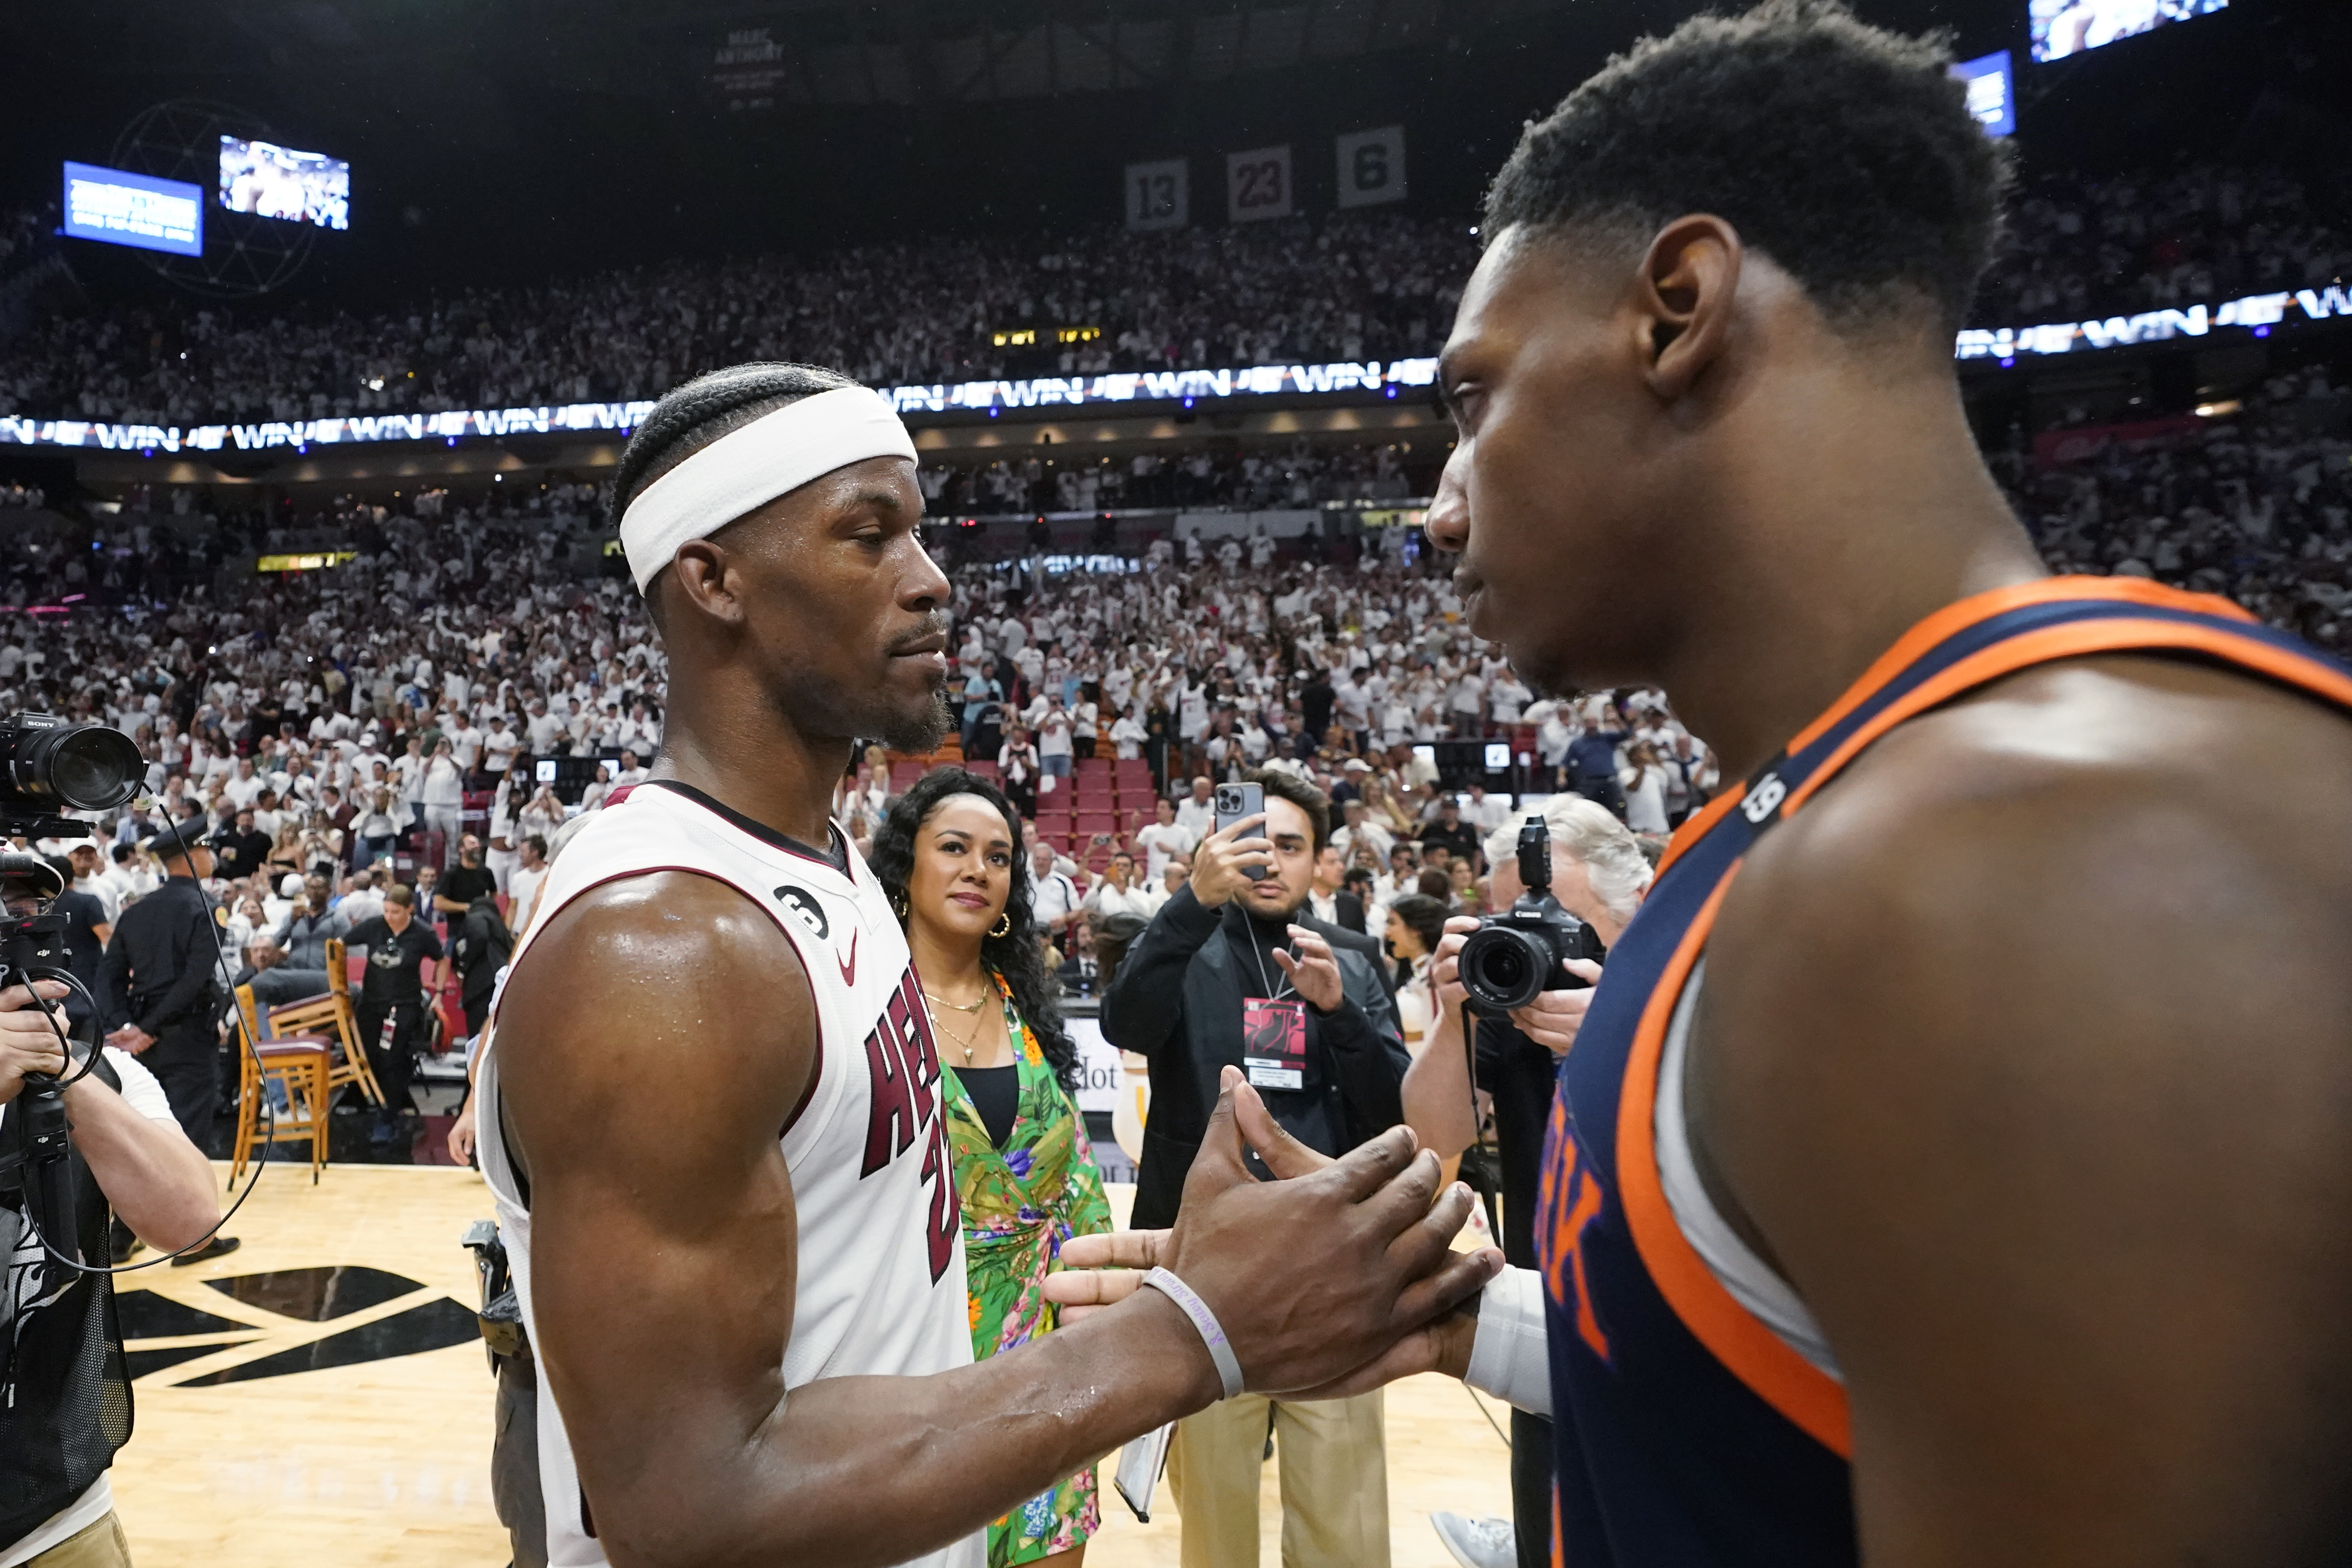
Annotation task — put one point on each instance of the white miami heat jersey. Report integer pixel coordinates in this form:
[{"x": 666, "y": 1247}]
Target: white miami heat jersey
[{"x": 881, "y": 1286}]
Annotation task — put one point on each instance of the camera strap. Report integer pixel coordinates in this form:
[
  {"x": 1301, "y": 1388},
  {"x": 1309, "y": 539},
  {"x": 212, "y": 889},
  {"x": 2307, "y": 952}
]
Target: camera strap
[{"x": 1490, "y": 1155}]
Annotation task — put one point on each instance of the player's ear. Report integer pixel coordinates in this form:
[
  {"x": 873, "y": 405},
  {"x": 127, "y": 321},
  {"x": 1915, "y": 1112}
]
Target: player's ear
[
  {"x": 1684, "y": 298},
  {"x": 704, "y": 578}
]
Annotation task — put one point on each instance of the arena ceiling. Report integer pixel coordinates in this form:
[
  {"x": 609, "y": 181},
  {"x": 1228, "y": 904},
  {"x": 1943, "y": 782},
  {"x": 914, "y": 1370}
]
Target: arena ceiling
[{"x": 818, "y": 51}]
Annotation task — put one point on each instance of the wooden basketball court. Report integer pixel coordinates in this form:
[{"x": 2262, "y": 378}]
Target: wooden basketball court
[{"x": 320, "y": 1399}]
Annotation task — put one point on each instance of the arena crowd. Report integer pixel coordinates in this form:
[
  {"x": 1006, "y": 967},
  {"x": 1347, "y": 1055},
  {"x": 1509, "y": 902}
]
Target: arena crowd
[{"x": 1304, "y": 290}]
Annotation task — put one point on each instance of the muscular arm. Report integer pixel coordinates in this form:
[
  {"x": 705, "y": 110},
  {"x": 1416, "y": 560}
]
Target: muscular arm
[
  {"x": 2022, "y": 1051},
  {"x": 651, "y": 1044},
  {"x": 158, "y": 1183}
]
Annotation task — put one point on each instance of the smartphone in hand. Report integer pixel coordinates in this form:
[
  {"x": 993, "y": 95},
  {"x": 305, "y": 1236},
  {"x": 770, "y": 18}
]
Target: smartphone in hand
[{"x": 1236, "y": 802}]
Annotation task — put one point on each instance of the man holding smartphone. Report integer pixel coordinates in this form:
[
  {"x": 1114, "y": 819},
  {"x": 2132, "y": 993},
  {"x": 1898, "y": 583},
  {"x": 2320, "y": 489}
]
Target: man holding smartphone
[{"x": 1235, "y": 970}]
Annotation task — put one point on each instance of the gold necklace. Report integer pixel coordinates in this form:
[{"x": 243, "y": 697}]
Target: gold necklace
[
  {"x": 972, "y": 1008},
  {"x": 967, "y": 1043}
]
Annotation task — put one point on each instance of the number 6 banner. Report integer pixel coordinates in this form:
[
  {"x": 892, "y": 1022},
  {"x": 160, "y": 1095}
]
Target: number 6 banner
[
  {"x": 1371, "y": 166},
  {"x": 1257, "y": 184}
]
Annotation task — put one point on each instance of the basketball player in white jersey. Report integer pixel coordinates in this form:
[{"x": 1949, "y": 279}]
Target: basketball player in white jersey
[{"x": 711, "y": 1115}]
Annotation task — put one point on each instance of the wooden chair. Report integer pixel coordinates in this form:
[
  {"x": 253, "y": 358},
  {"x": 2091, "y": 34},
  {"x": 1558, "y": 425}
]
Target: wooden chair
[
  {"x": 335, "y": 1015},
  {"x": 301, "y": 1063}
]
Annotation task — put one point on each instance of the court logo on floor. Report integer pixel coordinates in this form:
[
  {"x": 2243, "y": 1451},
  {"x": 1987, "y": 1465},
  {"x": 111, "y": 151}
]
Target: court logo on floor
[{"x": 288, "y": 1321}]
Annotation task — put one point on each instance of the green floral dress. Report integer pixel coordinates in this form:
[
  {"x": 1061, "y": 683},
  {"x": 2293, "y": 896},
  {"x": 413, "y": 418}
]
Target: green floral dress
[{"x": 1020, "y": 1203}]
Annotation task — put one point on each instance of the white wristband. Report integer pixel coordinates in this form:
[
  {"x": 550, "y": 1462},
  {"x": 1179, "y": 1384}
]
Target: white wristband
[
  {"x": 1229, "y": 1367},
  {"x": 1510, "y": 1357}
]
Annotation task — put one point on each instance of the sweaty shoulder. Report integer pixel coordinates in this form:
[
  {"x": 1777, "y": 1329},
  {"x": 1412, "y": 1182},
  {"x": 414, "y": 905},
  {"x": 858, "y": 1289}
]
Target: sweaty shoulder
[
  {"x": 2148, "y": 787},
  {"x": 669, "y": 975},
  {"x": 2021, "y": 1050}
]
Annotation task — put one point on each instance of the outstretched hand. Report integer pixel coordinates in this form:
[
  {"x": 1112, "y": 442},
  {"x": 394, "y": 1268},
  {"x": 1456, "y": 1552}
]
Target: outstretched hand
[{"x": 1336, "y": 1278}]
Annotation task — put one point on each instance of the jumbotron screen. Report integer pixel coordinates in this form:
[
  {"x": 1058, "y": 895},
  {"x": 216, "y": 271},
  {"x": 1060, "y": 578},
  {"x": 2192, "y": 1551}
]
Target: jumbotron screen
[
  {"x": 2063, "y": 27},
  {"x": 119, "y": 207},
  {"x": 271, "y": 180}
]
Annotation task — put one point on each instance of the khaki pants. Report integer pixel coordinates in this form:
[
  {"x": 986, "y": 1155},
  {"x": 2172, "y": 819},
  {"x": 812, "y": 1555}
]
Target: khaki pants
[
  {"x": 102, "y": 1545},
  {"x": 1335, "y": 1482}
]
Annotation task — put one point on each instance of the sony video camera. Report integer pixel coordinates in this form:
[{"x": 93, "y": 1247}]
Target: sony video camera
[
  {"x": 1514, "y": 957},
  {"x": 49, "y": 765}
]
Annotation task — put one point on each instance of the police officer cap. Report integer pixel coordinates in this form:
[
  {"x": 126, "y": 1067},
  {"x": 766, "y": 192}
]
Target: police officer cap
[
  {"x": 177, "y": 838},
  {"x": 35, "y": 868}
]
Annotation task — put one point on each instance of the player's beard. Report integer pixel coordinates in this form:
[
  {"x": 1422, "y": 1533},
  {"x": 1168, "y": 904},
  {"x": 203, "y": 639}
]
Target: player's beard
[
  {"x": 921, "y": 732},
  {"x": 814, "y": 705}
]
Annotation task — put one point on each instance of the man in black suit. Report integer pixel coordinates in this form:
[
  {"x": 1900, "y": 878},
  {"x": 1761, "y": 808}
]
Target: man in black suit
[
  {"x": 1328, "y": 898},
  {"x": 1235, "y": 970}
]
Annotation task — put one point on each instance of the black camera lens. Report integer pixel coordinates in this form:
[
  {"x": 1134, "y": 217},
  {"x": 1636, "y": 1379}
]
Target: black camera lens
[
  {"x": 81, "y": 767},
  {"x": 1502, "y": 969}
]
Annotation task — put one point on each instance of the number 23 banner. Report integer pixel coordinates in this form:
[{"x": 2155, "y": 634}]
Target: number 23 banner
[{"x": 1257, "y": 184}]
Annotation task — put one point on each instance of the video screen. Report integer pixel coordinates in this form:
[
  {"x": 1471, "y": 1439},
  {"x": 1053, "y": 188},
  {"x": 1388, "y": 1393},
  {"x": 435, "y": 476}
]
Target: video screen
[
  {"x": 271, "y": 180},
  {"x": 2063, "y": 27},
  {"x": 1992, "y": 92},
  {"x": 119, "y": 207}
]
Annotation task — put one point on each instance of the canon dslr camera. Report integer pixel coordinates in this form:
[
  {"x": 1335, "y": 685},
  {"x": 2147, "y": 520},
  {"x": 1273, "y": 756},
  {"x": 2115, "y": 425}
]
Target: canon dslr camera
[{"x": 1514, "y": 957}]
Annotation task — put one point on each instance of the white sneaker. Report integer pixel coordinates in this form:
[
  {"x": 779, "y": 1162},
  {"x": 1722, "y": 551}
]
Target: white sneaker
[{"x": 1486, "y": 1543}]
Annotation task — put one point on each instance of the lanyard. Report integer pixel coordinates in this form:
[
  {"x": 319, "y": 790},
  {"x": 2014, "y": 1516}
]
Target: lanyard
[{"x": 1272, "y": 994}]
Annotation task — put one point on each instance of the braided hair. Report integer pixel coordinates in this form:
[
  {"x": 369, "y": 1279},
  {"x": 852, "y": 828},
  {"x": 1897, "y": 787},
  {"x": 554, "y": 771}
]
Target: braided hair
[
  {"x": 1015, "y": 956},
  {"x": 691, "y": 417}
]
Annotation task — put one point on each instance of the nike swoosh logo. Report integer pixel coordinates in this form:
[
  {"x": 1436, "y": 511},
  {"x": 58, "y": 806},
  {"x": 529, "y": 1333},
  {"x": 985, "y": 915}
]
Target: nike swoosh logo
[{"x": 849, "y": 966}]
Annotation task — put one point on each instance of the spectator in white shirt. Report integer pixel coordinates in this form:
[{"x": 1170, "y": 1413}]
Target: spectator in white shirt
[
  {"x": 1119, "y": 893},
  {"x": 523, "y": 881},
  {"x": 499, "y": 746},
  {"x": 541, "y": 729},
  {"x": 441, "y": 791},
  {"x": 465, "y": 745},
  {"x": 1197, "y": 813},
  {"x": 1053, "y": 896},
  {"x": 1054, "y": 735},
  {"x": 1163, "y": 840},
  {"x": 1485, "y": 812},
  {"x": 1128, "y": 734},
  {"x": 246, "y": 786}
]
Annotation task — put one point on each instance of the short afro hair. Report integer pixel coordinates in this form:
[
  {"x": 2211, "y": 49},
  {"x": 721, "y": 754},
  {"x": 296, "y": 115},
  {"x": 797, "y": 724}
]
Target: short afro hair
[
  {"x": 1842, "y": 152},
  {"x": 691, "y": 417}
]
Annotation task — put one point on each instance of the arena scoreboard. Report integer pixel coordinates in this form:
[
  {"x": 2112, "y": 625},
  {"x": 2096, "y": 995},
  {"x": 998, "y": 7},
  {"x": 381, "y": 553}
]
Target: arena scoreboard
[
  {"x": 1992, "y": 92},
  {"x": 2063, "y": 27},
  {"x": 116, "y": 206},
  {"x": 269, "y": 181}
]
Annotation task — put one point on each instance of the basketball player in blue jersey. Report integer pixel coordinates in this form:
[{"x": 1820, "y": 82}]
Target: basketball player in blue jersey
[
  {"x": 1954, "y": 1164},
  {"x": 711, "y": 1112}
]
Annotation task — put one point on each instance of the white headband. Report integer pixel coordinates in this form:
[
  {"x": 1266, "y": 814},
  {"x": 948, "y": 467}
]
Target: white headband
[{"x": 747, "y": 469}]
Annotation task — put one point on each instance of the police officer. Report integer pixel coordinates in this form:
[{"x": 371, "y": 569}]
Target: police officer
[{"x": 161, "y": 988}]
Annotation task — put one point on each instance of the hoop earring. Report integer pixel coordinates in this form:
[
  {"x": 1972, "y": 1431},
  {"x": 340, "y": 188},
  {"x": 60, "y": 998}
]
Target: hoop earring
[{"x": 1003, "y": 926}]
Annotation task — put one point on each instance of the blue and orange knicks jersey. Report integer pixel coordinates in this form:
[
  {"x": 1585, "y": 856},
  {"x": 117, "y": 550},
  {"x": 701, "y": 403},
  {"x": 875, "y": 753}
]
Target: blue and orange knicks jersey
[{"x": 1688, "y": 1435}]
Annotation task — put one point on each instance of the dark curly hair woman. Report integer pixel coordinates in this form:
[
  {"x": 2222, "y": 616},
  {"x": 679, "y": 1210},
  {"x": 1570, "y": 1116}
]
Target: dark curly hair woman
[{"x": 950, "y": 856}]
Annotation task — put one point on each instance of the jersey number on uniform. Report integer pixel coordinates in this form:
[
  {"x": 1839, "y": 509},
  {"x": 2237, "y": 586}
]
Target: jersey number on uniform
[{"x": 903, "y": 1061}]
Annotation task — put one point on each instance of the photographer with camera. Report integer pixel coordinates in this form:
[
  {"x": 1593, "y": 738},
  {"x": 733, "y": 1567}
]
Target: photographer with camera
[
  {"x": 1597, "y": 874},
  {"x": 1233, "y": 970},
  {"x": 62, "y": 1374}
]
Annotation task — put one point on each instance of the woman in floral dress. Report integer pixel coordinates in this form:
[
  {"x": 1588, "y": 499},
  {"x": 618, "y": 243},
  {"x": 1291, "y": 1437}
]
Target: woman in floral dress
[{"x": 951, "y": 856}]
